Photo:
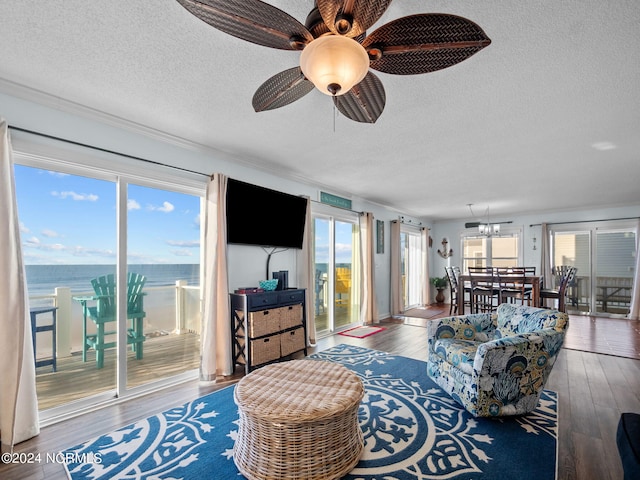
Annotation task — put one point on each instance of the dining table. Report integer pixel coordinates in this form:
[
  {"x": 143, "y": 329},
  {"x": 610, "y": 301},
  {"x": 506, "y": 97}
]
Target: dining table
[{"x": 464, "y": 280}]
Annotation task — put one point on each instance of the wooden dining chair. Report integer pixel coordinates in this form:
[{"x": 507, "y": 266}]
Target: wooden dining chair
[
  {"x": 567, "y": 273},
  {"x": 513, "y": 286},
  {"x": 484, "y": 291}
]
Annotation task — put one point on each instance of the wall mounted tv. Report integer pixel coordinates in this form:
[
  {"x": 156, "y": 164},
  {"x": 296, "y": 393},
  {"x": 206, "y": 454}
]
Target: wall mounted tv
[{"x": 261, "y": 216}]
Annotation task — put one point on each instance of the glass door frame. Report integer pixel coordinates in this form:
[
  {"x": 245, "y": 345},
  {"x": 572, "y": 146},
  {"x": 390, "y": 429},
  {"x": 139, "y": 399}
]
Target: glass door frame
[
  {"x": 113, "y": 168},
  {"x": 413, "y": 279},
  {"x": 592, "y": 229},
  {"x": 333, "y": 215}
]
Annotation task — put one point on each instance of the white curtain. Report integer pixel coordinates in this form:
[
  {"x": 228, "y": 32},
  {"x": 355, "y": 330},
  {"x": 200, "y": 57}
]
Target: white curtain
[
  {"x": 634, "y": 313},
  {"x": 426, "y": 284},
  {"x": 215, "y": 340},
  {"x": 306, "y": 274},
  {"x": 545, "y": 257},
  {"x": 18, "y": 401},
  {"x": 397, "y": 304},
  {"x": 369, "y": 309}
]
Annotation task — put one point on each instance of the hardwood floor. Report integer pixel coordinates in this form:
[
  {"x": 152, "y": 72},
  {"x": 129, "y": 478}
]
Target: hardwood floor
[{"x": 594, "y": 389}]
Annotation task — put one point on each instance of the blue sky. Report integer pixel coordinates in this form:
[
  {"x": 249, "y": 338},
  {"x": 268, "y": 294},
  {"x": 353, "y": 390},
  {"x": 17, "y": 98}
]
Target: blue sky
[
  {"x": 343, "y": 246},
  {"x": 68, "y": 219}
]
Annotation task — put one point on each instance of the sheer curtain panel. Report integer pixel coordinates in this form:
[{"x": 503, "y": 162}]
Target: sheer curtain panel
[
  {"x": 306, "y": 270},
  {"x": 426, "y": 284},
  {"x": 215, "y": 340},
  {"x": 634, "y": 313},
  {"x": 397, "y": 304},
  {"x": 369, "y": 310},
  {"x": 545, "y": 257},
  {"x": 18, "y": 399}
]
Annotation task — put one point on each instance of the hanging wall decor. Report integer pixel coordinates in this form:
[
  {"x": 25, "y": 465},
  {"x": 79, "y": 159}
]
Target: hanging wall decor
[
  {"x": 445, "y": 253},
  {"x": 380, "y": 236}
]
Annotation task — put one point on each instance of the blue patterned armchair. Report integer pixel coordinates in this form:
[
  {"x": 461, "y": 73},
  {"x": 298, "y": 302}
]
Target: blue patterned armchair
[{"x": 496, "y": 364}]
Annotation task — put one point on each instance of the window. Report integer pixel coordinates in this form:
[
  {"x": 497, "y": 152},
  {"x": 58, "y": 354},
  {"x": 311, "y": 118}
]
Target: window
[{"x": 504, "y": 250}]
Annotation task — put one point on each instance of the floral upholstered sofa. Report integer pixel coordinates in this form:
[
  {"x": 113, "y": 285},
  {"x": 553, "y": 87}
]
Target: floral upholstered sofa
[{"x": 496, "y": 364}]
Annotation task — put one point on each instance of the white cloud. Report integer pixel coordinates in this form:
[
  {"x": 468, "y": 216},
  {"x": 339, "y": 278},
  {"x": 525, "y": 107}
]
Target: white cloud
[
  {"x": 133, "y": 205},
  {"x": 23, "y": 228},
  {"x": 79, "y": 197},
  {"x": 184, "y": 243},
  {"x": 166, "y": 207},
  {"x": 182, "y": 253},
  {"x": 49, "y": 233}
]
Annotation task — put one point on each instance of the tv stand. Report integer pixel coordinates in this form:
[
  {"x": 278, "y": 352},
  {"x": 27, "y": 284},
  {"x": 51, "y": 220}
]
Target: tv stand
[{"x": 267, "y": 327}]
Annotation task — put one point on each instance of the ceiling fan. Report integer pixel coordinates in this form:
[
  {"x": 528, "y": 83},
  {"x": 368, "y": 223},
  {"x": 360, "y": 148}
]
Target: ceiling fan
[{"x": 337, "y": 52}]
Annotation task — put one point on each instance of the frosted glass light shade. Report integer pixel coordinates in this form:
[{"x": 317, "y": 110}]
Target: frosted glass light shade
[{"x": 334, "y": 64}]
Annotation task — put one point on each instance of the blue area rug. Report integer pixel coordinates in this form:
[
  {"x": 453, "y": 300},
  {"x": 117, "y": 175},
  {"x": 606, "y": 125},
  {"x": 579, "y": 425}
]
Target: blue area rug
[{"x": 412, "y": 430}]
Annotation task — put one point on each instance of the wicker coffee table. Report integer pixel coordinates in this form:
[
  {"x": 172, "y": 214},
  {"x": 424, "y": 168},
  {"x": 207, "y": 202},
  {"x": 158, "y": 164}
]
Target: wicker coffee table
[{"x": 298, "y": 420}]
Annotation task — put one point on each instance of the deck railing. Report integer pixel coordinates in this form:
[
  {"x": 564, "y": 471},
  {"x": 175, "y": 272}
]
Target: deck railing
[{"x": 171, "y": 309}]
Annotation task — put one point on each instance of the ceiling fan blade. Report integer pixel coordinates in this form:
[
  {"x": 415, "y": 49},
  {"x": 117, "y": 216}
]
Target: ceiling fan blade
[
  {"x": 424, "y": 43},
  {"x": 282, "y": 89},
  {"x": 253, "y": 21},
  {"x": 364, "y": 102},
  {"x": 351, "y": 17}
]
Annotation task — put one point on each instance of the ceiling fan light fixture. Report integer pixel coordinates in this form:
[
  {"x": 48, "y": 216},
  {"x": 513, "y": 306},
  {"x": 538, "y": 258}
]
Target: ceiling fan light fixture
[{"x": 334, "y": 64}]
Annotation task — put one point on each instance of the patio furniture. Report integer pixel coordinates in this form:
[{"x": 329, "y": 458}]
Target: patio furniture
[
  {"x": 51, "y": 327},
  {"x": 298, "y": 419},
  {"x": 496, "y": 364},
  {"x": 104, "y": 312}
]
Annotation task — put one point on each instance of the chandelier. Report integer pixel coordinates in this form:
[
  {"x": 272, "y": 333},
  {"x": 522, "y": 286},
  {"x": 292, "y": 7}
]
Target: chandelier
[{"x": 487, "y": 228}]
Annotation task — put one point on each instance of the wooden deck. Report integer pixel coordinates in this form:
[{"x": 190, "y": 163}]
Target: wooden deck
[{"x": 74, "y": 379}]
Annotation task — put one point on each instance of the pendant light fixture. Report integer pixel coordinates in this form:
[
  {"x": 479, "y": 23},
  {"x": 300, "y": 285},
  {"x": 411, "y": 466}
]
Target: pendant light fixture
[{"x": 334, "y": 64}]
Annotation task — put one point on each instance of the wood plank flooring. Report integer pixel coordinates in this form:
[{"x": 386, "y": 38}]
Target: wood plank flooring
[{"x": 594, "y": 389}]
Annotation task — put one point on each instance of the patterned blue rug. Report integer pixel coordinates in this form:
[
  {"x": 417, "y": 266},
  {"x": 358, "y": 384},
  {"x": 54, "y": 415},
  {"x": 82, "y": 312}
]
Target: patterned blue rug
[{"x": 412, "y": 430}]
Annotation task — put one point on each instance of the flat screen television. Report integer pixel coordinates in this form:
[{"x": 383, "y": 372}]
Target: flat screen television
[{"x": 261, "y": 216}]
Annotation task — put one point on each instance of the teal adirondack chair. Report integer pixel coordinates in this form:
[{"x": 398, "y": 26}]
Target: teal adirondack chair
[{"x": 104, "y": 312}]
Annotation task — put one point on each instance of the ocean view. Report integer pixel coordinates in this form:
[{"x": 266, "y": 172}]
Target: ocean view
[{"x": 43, "y": 279}]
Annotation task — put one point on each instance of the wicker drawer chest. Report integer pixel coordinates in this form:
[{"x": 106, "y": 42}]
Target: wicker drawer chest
[
  {"x": 267, "y": 326},
  {"x": 298, "y": 420}
]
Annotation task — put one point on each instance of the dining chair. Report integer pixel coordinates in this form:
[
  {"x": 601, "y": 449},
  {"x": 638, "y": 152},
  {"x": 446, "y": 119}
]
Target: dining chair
[
  {"x": 567, "y": 274},
  {"x": 484, "y": 291},
  {"x": 512, "y": 283}
]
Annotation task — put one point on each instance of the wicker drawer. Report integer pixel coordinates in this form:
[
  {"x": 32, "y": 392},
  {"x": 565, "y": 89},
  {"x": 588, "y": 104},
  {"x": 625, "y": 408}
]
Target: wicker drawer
[
  {"x": 290, "y": 316},
  {"x": 292, "y": 341},
  {"x": 265, "y": 350},
  {"x": 264, "y": 322}
]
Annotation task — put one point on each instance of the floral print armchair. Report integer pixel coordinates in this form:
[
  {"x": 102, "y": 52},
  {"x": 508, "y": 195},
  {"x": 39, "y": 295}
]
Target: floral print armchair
[{"x": 496, "y": 364}]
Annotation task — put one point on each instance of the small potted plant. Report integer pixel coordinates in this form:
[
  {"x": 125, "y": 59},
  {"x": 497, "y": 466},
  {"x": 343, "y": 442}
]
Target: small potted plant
[{"x": 440, "y": 283}]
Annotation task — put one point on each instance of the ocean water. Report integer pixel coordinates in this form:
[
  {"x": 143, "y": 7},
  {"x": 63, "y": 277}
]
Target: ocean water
[{"x": 43, "y": 279}]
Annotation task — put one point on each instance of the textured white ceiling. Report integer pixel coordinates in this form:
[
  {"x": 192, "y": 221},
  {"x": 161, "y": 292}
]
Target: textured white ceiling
[{"x": 512, "y": 127}]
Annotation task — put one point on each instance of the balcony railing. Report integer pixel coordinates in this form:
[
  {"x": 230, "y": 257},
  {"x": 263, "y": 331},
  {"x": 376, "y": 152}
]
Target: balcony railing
[{"x": 171, "y": 326}]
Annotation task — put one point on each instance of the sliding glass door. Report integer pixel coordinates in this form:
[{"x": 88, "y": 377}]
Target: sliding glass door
[
  {"x": 411, "y": 269},
  {"x": 337, "y": 269},
  {"x": 604, "y": 255},
  {"x": 163, "y": 251},
  {"x": 119, "y": 263},
  {"x": 69, "y": 239}
]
